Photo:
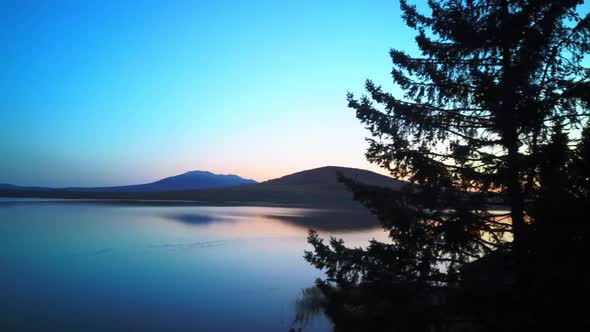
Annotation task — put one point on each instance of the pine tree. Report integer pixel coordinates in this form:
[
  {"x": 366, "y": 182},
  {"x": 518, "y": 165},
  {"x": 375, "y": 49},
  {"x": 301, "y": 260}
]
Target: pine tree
[{"x": 490, "y": 120}]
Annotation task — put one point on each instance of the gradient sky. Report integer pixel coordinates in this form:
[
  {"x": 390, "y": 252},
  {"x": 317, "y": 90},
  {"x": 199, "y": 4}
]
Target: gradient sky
[{"x": 120, "y": 92}]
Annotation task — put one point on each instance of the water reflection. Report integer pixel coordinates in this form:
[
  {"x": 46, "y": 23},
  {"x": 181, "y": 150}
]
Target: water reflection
[
  {"x": 321, "y": 220},
  {"x": 93, "y": 266},
  {"x": 190, "y": 245},
  {"x": 195, "y": 219}
]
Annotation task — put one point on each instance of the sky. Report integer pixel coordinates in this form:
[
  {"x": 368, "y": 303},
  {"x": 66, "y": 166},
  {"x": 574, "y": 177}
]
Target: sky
[
  {"x": 113, "y": 92},
  {"x": 100, "y": 93}
]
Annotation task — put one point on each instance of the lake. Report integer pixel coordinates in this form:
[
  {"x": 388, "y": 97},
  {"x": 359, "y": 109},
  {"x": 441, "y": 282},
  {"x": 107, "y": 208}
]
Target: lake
[{"x": 94, "y": 266}]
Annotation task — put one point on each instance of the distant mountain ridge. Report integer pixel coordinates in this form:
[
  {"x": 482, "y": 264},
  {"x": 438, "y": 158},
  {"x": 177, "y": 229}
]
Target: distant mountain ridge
[
  {"x": 318, "y": 187},
  {"x": 6, "y": 186},
  {"x": 193, "y": 180}
]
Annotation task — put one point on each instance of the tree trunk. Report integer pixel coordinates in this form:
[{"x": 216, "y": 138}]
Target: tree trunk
[{"x": 508, "y": 124}]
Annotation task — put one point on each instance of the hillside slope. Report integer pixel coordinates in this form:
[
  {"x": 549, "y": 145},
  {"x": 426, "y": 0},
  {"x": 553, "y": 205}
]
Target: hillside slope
[{"x": 317, "y": 187}]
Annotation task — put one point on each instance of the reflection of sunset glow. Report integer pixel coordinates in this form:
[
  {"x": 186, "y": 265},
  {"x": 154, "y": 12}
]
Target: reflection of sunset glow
[
  {"x": 263, "y": 226},
  {"x": 251, "y": 223},
  {"x": 258, "y": 227}
]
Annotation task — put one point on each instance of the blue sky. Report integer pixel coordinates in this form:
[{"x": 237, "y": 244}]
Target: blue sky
[
  {"x": 116, "y": 92},
  {"x": 119, "y": 92}
]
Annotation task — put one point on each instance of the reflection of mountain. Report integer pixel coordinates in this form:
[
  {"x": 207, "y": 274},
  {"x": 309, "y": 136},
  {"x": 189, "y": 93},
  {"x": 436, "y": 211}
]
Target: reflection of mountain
[
  {"x": 312, "y": 188},
  {"x": 322, "y": 220},
  {"x": 195, "y": 219},
  {"x": 333, "y": 220}
]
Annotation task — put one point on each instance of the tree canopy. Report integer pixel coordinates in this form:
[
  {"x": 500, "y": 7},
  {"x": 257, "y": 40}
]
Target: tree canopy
[{"x": 492, "y": 134}]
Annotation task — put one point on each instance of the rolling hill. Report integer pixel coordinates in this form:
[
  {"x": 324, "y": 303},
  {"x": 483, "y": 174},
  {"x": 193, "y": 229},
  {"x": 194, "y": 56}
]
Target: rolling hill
[{"x": 317, "y": 187}]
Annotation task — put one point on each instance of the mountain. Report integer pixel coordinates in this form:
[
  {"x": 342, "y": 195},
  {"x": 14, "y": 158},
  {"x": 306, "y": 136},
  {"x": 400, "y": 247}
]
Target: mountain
[
  {"x": 328, "y": 176},
  {"x": 6, "y": 186},
  {"x": 317, "y": 187},
  {"x": 193, "y": 180}
]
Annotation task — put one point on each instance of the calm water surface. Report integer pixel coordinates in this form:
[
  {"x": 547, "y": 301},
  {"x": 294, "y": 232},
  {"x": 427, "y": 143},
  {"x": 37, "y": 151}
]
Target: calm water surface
[{"x": 84, "y": 266}]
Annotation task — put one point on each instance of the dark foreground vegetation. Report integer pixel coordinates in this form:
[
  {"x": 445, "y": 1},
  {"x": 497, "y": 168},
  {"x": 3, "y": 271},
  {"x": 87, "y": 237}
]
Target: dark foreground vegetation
[{"x": 494, "y": 111}]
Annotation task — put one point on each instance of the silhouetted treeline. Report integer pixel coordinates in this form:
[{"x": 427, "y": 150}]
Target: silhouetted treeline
[{"x": 494, "y": 112}]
